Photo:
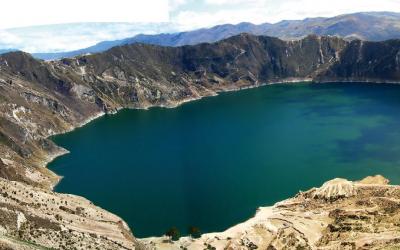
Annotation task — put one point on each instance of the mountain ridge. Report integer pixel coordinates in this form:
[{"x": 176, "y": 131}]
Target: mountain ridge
[{"x": 371, "y": 26}]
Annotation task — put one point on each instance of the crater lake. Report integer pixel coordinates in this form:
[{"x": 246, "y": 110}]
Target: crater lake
[{"x": 211, "y": 163}]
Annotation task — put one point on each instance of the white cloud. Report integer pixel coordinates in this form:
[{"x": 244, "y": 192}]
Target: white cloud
[
  {"x": 232, "y": 2},
  {"x": 185, "y": 15},
  {"x": 175, "y": 4},
  {"x": 7, "y": 39},
  {"x": 65, "y": 37},
  {"x": 19, "y": 13}
]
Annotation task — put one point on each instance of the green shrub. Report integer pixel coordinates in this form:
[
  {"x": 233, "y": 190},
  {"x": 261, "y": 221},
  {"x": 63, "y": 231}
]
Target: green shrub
[{"x": 173, "y": 233}]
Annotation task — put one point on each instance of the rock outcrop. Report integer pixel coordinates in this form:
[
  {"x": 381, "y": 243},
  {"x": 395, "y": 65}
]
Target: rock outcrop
[
  {"x": 335, "y": 189},
  {"x": 39, "y": 99}
]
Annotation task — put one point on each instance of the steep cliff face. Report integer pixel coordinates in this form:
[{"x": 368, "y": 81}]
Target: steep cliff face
[
  {"x": 243, "y": 59},
  {"x": 368, "y": 61},
  {"x": 39, "y": 99}
]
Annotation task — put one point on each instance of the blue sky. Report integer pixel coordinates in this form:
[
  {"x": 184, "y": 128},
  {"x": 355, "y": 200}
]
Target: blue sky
[{"x": 92, "y": 21}]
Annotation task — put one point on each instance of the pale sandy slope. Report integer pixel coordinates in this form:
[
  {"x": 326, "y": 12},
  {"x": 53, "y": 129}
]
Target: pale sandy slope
[{"x": 339, "y": 215}]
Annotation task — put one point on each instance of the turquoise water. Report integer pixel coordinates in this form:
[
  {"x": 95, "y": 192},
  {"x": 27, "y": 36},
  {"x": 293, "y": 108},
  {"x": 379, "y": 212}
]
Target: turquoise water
[{"x": 211, "y": 163}]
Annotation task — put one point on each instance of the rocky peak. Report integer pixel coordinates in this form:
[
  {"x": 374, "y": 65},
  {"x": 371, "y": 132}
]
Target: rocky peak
[
  {"x": 335, "y": 189},
  {"x": 18, "y": 61}
]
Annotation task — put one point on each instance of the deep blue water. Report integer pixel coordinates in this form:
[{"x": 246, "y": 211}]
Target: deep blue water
[{"x": 211, "y": 163}]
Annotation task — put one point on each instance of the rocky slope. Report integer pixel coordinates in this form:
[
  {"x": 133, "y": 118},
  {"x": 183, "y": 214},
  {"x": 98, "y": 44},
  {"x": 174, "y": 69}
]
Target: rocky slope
[
  {"x": 39, "y": 99},
  {"x": 339, "y": 215},
  {"x": 35, "y": 218}
]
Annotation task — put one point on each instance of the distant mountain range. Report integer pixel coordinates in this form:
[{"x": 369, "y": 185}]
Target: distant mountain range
[{"x": 371, "y": 26}]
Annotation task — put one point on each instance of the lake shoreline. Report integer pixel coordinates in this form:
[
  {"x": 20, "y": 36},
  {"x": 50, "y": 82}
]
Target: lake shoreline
[
  {"x": 177, "y": 104},
  {"x": 63, "y": 151},
  {"x": 241, "y": 88}
]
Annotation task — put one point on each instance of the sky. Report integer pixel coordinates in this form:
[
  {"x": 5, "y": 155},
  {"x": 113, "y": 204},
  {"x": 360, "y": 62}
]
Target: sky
[{"x": 92, "y": 21}]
